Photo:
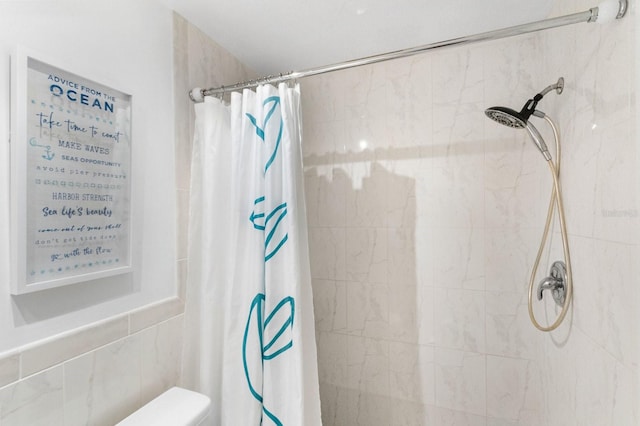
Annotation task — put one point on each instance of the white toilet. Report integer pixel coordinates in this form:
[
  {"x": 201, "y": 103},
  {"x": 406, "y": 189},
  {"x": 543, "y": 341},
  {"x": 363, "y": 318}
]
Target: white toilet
[{"x": 175, "y": 407}]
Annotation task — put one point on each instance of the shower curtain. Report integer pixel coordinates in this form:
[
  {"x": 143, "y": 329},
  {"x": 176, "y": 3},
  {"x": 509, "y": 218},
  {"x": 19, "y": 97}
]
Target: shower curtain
[{"x": 250, "y": 337}]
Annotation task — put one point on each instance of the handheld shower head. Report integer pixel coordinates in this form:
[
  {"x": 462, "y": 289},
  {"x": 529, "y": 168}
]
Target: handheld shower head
[
  {"x": 510, "y": 118},
  {"x": 520, "y": 120},
  {"x": 537, "y": 139},
  {"x": 506, "y": 116}
]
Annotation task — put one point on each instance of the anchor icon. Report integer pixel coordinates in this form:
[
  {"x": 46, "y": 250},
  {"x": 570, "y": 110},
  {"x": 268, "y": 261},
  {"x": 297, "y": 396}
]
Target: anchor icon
[{"x": 48, "y": 155}]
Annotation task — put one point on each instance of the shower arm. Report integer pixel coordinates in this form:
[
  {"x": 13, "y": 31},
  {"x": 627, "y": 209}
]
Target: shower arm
[
  {"x": 558, "y": 87},
  {"x": 529, "y": 108},
  {"x": 610, "y": 10}
]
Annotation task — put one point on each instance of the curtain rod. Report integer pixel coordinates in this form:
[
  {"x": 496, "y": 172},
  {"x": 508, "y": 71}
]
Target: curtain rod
[{"x": 605, "y": 12}]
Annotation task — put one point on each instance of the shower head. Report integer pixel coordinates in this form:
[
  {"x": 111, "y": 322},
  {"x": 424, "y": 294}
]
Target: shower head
[
  {"x": 520, "y": 120},
  {"x": 511, "y": 118},
  {"x": 537, "y": 139},
  {"x": 506, "y": 116}
]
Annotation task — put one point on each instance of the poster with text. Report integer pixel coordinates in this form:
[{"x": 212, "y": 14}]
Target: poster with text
[{"x": 78, "y": 171}]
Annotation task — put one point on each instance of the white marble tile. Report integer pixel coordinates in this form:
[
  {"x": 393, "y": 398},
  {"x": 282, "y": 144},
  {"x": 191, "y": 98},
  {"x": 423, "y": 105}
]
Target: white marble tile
[
  {"x": 458, "y": 135},
  {"x": 366, "y": 204},
  {"x": 511, "y": 68},
  {"x": 368, "y": 310},
  {"x": 365, "y": 93},
  {"x": 412, "y": 372},
  {"x": 563, "y": 108},
  {"x": 404, "y": 322},
  {"x": 61, "y": 348},
  {"x": 327, "y": 253},
  {"x": 625, "y": 407},
  {"x": 366, "y": 254},
  {"x": 559, "y": 378},
  {"x": 180, "y": 26},
  {"x": 313, "y": 183},
  {"x": 401, "y": 200},
  {"x": 153, "y": 314},
  {"x": 585, "y": 385},
  {"x": 37, "y": 400},
  {"x": 103, "y": 386},
  {"x": 408, "y": 413},
  {"x": 425, "y": 190},
  {"x": 579, "y": 177},
  {"x": 183, "y": 103},
  {"x": 322, "y": 139},
  {"x": 182, "y": 224},
  {"x": 368, "y": 409},
  {"x": 161, "y": 348},
  {"x": 603, "y": 311},
  {"x": 509, "y": 330},
  {"x": 210, "y": 65},
  {"x": 368, "y": 365},
  {"x": 402, "y": 262},
  {"x": 183, "y": 146},
  {"x": 325, "y": 197},
  {"x": 600, "y": 202},
  {"x": 564, "y": 8},
  {"x": 323, "y": 98},
  {"x": 334, "y": 405},
  {"x": 426, "y": 247},
  {"x": 461, "y": 381},
  {"x": 330, "y": 305},
  {"x": 617, "y": 217},
  {"x": 504, "y": 422},
  {"x": 509, "y": 257},
  {"x": 514, "y": 389},
  {"x": 182, "y": 268},
  {"x": 460, "y": 319},
  {"x": 459, "y": 258},
  {"x": 456, "y": 195},
  {"x": 409, "y": 100},
  {"x": 445, "y": 417},
  {"x": 9, "y": 369},
  {"x": 425, "y": 315},
  {"x": 332, "y": 358},
  {"x": 518, "y": 187},
  {"x": 594, "y": 386},
  {"x": 614, "y": 97},
  {"x": 465, "y": 84}
]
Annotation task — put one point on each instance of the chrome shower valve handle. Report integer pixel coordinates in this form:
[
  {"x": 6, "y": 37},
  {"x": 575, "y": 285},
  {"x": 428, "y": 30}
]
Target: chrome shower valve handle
[
  {"x": 548, "y": 283},
  {"x": 555, "y": 282}
]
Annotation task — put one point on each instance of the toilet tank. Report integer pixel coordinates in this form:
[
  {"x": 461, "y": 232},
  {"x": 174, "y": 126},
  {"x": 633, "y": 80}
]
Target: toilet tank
[{"x": 175, "y": 407}]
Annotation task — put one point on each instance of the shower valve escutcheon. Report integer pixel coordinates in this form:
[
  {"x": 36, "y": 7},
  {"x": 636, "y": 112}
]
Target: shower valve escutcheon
[{"x": 555, "y": 282}]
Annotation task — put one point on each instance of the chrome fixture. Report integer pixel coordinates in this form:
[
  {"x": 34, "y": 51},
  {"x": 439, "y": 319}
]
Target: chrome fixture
[
  {"x": 607, "y": 11},
  {"x": 555, "y": 282},
  {"x": 560, "y": 281},
  {"x": 520, "y": 120}
]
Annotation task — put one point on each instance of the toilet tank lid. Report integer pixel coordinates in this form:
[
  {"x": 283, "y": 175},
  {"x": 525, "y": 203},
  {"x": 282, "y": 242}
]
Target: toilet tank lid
[{"x": 176, "y": 406}]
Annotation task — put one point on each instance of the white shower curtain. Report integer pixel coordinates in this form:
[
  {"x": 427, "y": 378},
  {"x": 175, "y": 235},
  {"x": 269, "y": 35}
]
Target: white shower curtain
[{"x": 250, "y": 338}]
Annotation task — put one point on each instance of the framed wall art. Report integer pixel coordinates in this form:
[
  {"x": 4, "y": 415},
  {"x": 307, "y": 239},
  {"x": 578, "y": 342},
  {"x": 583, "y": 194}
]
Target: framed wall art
[{"x": 70, "y": 176}]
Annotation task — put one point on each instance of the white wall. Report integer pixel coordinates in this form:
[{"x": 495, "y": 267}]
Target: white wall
[{"x": 127, "y": 44}]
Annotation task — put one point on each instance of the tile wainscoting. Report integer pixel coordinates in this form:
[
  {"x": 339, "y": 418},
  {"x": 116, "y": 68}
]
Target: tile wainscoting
[{"x": 94, "y": 375}]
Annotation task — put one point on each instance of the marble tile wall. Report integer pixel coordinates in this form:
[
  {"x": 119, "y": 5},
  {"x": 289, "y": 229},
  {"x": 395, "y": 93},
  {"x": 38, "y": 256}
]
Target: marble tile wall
[
  {"x": 96, "y": 375},
  {"x": 424, "y": 221}
]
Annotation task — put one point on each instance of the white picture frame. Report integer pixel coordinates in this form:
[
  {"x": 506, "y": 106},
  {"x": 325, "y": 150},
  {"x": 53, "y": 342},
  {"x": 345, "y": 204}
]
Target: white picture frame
[{"x": 70, "y": 176}]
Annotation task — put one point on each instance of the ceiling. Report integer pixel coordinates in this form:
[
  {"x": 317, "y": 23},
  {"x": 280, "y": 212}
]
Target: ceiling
[{"x": 285, "y": 35}]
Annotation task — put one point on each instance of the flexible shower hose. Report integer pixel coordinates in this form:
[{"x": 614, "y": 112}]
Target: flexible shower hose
[{"x": 556, "y": 199}]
